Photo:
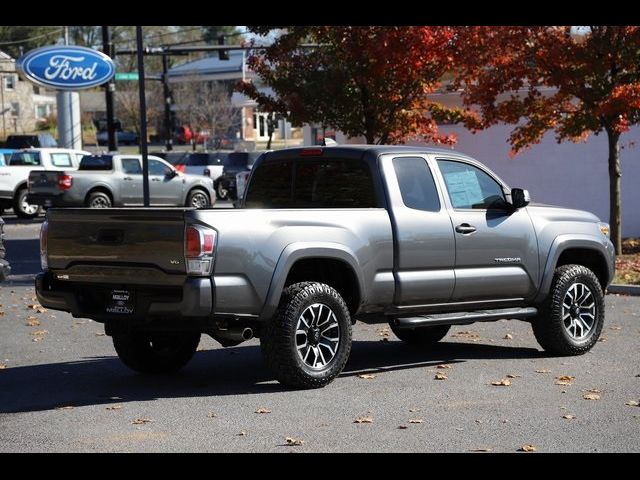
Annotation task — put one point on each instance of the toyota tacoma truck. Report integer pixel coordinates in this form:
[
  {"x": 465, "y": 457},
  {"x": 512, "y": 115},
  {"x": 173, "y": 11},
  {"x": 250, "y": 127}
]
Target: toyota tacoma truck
[{"x": 420, "y": 238}]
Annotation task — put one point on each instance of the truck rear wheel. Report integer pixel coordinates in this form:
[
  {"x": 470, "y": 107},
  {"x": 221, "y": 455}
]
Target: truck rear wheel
[
  {"x": 156, "y": 352},
  {"x": 307, "y": 342},
  {"x": 22, "y": 208},
  {"x": 421, "y": 335},
  {"x": 99, "y": 200},
  {"x": 571, "y": 318}
]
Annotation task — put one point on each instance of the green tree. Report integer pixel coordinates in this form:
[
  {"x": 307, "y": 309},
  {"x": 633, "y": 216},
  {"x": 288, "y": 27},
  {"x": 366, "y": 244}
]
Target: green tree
[{"x": 16, "y": 40}]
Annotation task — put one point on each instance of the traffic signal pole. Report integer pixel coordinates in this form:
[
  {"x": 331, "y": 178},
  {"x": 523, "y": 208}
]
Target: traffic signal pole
[
  {"x": 109, "y": 89},
  {"x": 143, "y": 119},
  {"x": 168, "y": 127}
]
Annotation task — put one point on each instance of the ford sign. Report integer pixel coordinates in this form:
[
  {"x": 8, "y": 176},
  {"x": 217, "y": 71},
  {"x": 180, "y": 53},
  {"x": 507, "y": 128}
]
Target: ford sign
[{"x": 66, "y": 67}]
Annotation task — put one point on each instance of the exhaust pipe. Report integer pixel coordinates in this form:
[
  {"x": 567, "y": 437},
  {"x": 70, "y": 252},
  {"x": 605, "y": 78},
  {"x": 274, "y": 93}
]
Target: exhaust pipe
[{"x": 233, "y": 336}]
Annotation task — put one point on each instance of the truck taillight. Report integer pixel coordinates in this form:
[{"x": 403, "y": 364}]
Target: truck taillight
[
  {"x": 199, "y": 248},
  {"x": 44, "y": 230},
  {"x": 65, "y": 182}
]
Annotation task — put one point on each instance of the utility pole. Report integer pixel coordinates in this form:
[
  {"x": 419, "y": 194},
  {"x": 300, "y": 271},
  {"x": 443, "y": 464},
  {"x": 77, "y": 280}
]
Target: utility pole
[
  {"x": 168, "y": 127},
  {"x": 143, "y": 118},
  {"x": 109, "y": 89}
]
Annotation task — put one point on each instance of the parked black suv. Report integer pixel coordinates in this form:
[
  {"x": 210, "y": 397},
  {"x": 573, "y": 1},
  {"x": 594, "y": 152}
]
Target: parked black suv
[
  {"x": 234, "y": 163},
  {"x": 39, "y": 140},
  {"x": 5, "y": 269}
]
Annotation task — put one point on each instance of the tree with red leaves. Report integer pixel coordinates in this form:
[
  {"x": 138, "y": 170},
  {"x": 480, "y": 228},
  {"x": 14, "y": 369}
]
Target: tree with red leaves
[
  {"x": 594, "y": 77},
  {"x": 370, "y": 81}
]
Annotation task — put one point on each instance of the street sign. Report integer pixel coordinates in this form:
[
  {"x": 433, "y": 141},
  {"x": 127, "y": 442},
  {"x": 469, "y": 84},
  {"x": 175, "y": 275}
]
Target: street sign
[{"x": 127, "y": 76}]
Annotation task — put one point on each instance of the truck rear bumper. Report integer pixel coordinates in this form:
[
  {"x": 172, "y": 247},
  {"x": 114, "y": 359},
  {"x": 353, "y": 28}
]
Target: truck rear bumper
[
  {"x": 193, "y": 299},
  {"x": 51, "y": 200}
]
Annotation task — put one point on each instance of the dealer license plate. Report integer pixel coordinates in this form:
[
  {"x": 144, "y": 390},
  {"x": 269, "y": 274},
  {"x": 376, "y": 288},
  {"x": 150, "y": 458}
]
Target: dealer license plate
[{"x": 120, "y": 302}]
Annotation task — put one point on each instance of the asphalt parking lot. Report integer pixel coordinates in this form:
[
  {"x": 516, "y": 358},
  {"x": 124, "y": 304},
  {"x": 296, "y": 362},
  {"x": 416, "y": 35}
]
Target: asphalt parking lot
[{"x": 63, "y": 389}]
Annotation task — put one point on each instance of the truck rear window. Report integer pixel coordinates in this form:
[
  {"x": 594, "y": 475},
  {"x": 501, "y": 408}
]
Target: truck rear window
[
  {"x": 96, "y": 162},
  {"x": 312, "y": 183}
]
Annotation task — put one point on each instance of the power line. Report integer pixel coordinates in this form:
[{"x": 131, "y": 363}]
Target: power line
[
  {"x": 158, "y": 35},
  {"x": 15, "y": 42}
]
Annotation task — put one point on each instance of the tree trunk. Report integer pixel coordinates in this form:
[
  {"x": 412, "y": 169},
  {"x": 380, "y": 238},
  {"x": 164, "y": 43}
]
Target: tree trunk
[{"x": 615, "y": 173}]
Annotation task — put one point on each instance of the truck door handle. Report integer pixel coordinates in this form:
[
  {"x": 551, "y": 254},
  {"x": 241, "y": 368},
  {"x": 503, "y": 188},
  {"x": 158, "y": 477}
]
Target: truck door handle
[
  {"x": 127, "y": 178},
  {"x": 155, "y": 179},
  {"x": 465, "y": 228}
]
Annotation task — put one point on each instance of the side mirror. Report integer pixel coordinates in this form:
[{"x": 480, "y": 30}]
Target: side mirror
[
  {"x": 172, "y": 173},
  {"x": 519, "y": 197}
]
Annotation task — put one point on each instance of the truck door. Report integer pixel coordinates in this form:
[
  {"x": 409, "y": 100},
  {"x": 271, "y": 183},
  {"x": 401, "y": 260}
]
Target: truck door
[
  {"x": 424, "y": 252},
  {"x": 131, "y": 188},
  {"x": 164, "y": 189},
  {"x": 496, "y": 246}
]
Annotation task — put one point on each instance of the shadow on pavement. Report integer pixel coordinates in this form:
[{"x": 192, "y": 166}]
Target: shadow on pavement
[{"x": 232, "y": 371}]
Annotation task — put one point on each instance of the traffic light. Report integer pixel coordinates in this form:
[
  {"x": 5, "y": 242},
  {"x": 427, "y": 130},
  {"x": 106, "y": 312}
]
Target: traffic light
[{"x": 222, "y": 54}]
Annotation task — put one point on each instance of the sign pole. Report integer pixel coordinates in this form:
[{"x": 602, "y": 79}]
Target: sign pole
[
  {"x": 143, "y": 119},
  {"x": 109, "y": 89}
]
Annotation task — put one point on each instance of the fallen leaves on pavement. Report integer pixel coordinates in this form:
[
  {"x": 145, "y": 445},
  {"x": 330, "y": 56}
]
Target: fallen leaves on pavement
[
  {"x": 65, "y": 407},
  {"x": 32, "y": 322},
  {"x": 416, "y": 420},
  {"x": 505, "y": 382},
  {"x": 513, "y": 375},
  {"x": 402, "y": 427},
  {"x": 114, "y": 407},
  {"x": 366, "y": 376},
  {"x": 633, "y": 403},
  {"x": 141, "y": 421},
  {"x": 100, "y": 334},
  {"x": 482, "y": 449},
  {"x": 212, "y": 415},
  {"x": 543, "y": 370},
  {"x": 241, "y": 434},
  {"x": 591, "y": 396},
  {"x": 263, "y": 410},
  {"x": 568, "y": 416},
  {"x": 564, "y": 380},
  {"x": 508, "y": 336},
  {"x": 443, "y": 366},
  {"x": 440, "y": 376},
  {"x": 363, "y": 419},
  {"x": 527, "y": 448},
  {"x": 2, "y": 366},
  {"x": 295, "y": 442},
  {"x": 384, "y": 332}
]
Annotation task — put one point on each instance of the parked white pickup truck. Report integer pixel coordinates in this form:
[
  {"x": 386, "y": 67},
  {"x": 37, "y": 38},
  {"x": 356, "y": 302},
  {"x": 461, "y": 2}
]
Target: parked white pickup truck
[{"x": 14, "y": 175}]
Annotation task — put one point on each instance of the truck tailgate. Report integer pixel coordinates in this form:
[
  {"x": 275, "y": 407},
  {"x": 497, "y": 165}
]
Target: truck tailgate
[
  {"x": 133, "y": 244},
  {"x": 44, "y": 182}
]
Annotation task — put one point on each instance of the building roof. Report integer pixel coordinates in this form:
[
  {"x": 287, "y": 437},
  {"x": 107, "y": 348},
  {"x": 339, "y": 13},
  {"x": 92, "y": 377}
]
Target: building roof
[{"x": 211, "y": 68}]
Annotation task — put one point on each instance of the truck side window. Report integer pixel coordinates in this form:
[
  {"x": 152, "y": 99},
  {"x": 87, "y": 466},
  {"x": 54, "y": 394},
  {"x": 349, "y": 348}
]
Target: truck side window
[
  {"x": 469, "y": 187},
  {"x": 270, "y": 186},
  {"x": 157, "y": 168},
  {"x": 61, "y": 159},
  {"x": 416, "y": 182},
  {"x": 131, "y": 166}
]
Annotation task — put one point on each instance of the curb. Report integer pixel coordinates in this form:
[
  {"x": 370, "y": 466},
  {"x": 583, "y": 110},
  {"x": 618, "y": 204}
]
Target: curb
[{"x": 633, "y": 290}]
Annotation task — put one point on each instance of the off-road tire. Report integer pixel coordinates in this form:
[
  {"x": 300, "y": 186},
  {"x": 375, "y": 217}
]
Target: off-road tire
[
  {"x": 278, "y": 336},
  {"x": 157, "y": 352},
  {"x": 421, "y": 335},
  {"x": 548, "y": 326}
]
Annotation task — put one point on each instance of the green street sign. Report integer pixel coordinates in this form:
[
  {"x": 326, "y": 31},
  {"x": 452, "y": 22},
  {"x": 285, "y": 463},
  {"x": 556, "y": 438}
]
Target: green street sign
[{"x": 127, "y": 76}]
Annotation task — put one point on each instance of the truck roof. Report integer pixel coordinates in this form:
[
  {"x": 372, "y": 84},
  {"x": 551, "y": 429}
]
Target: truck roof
[{"x": 350, "y": 150}]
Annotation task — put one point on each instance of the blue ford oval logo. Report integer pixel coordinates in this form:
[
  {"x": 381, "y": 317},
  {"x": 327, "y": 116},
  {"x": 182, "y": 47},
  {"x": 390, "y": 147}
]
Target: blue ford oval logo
[{"x": 66, "y": 67}]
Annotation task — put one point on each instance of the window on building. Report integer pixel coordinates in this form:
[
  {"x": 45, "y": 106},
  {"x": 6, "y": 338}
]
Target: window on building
[
  {"x": 41, "y": 111},
  {"x": 15, "y": 109},
  {"x": 10, "y": 82}
]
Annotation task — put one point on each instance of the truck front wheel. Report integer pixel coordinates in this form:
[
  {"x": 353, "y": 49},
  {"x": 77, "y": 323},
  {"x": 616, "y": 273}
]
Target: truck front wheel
[
  {"x": 421, "y": 335},
  {"x": 307, "y": 342},
  {"x": 156, "y": 352},
  {"x": 571, "y": 318}
]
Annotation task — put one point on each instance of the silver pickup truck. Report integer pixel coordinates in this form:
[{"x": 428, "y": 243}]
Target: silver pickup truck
[
  {"x": 420, "y": 238},
  {"x": 107, "y": 180}
]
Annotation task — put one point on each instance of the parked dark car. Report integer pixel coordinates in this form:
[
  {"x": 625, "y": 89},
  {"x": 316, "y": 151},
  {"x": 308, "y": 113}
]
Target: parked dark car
[
  {"x": 124, "y": 138},
  {"x": 35, "y": 140},
  {"x": 233, "y": 164},
  {"x": 5, "y": 269}
]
